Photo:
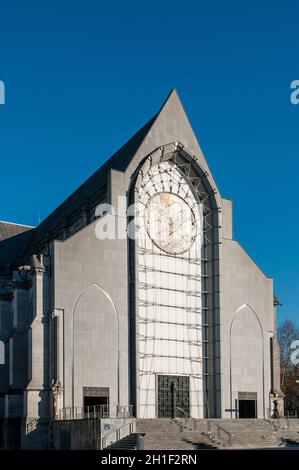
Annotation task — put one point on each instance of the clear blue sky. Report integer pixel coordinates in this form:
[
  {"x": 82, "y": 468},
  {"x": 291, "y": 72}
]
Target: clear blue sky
[{"x": 81, "y": 77}]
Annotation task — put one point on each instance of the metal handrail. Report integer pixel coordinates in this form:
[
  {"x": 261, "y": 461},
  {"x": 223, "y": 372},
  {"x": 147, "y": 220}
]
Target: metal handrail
[
  {"x": 94, "y": 412},
  {"x": 186, "y": 416},
  {"x": 220, "y": 431},
  {"x": 183, "y": 411},
  {"x": 32, "y": 425},
  {"x": 103, "y": 439},
  {"x": 280, "y": 422}
]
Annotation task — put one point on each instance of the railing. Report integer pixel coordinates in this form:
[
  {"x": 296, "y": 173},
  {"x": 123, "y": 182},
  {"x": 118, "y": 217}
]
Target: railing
[
  {"x": 32, "y": 425},
  {"x": 284, "y": 422},
  {"x": 94, "y": 412},
  {"x": 218, "y": 433},
  {"x": 186, "y": 415},
  {"x": 102, "y": 441},
  {"x": 186, "y": 418},
  {"x": 124, "y": 411},
  {"x": 288, "y": 414}
]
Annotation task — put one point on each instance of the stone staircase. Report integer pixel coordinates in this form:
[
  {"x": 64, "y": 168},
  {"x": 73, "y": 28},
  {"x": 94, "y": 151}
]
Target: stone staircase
[
  {"x": 126, "y": 443},
  {"x": 287, "y": 430},
  {"x": 289, "y": 439},
  {"x": 191, "y": 434},
  {"x": 250, "y": 433},
  {"x": 169, "y": 434},
  {"x": 259, "y": 433}
]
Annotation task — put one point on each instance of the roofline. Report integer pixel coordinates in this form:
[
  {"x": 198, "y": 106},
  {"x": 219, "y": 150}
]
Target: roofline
[
  {"x": 14, "y": 223},
  {"x": 257, "y": 265}
]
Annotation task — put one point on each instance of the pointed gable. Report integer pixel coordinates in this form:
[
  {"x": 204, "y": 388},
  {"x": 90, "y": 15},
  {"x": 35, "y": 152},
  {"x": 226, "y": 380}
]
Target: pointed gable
[{"x": 170, "y": 125}]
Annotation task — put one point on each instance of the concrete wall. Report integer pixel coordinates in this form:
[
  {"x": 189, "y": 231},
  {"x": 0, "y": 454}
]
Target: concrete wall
[
  {"x": 247, "y": 323},
  {"x": 247, "y": 356},
  {"x": 90, "y": 287},
  {"x": 76, "y": 434},
  {"x": 87, "y": 434}
]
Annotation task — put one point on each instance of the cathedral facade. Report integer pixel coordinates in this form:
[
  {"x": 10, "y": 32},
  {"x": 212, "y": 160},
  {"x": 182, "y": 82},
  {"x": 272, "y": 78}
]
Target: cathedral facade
[{"x": 134, "y": 293}]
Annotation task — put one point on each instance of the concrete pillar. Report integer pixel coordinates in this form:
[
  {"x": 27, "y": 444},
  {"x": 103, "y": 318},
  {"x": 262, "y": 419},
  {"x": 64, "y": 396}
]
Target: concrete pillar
[{"x": 37, "y": 401}]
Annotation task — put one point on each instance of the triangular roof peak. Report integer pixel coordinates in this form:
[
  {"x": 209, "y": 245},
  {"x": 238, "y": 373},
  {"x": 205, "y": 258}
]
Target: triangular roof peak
[
  {"x": 171, "y": 124},
  {"x": 173, "y": 93},
  {"x": 172, "y": 96}
]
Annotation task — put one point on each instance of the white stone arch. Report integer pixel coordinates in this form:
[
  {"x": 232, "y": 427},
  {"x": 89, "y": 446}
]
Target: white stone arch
[
  {"x": 108, "y": 297},
  {"x": 206, "y": 195},
  {"x": 239, "y": 311}
]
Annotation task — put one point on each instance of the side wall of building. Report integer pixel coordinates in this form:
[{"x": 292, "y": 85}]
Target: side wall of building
[
  {"x": 247, "y": 324},
  {"x": 91, "y": 301}
]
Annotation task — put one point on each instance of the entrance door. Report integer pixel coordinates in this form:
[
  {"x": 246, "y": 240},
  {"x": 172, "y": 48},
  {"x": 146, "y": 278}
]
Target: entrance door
[
  {"x": 96, "y": 401},
  {"x": 247, "y": 409},
  {"x": 13, "y": 433},
  {"x": 173, "y": 396}
]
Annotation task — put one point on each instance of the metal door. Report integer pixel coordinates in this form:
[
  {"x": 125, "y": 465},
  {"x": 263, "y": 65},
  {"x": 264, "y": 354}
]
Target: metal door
[{"x": 173, "y": 396}]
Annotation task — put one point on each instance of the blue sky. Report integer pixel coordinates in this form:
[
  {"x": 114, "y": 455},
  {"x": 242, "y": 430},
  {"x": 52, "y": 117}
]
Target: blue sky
[{"x": 82, "y": 77}]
